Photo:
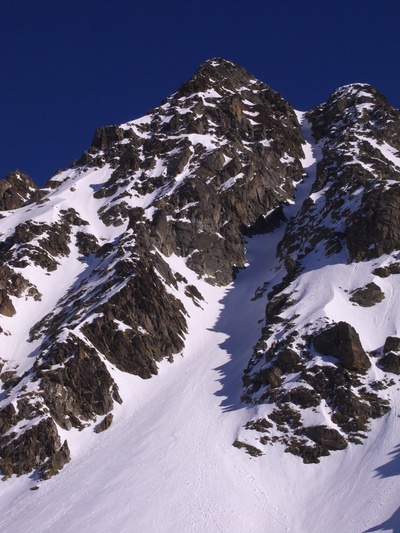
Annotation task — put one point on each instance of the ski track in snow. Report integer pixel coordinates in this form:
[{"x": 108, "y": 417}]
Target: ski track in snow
[{"x": 167, "y": 463}]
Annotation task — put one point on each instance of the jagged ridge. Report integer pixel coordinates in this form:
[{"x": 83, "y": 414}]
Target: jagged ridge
[{"x": 186, "y": 180}]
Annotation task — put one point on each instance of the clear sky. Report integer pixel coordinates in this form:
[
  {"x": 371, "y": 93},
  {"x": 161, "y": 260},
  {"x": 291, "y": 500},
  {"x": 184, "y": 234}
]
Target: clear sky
[{"x": 68, "y": 67}]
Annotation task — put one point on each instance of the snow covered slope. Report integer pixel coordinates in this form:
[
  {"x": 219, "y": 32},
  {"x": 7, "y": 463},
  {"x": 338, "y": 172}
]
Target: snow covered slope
[{"x": 245, "y": 257}]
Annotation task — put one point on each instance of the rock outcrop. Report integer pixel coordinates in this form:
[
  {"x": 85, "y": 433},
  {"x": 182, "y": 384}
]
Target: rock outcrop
[
  {"x": 350, "y": 215},
  {"x": 17, "y": 189},
  {"x": 390, "y": 362},
  {"x": 354, "y": 202},
  {"x": 342, "y": 342}
]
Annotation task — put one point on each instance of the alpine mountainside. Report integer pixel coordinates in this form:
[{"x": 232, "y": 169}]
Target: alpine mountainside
[
  {"x": 100, "y": 268},
  {"x": 337, "y": 265}
]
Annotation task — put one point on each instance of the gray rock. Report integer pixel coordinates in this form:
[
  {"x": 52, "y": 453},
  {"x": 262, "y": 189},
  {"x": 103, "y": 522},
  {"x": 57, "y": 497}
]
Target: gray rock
[
  {"x": 329, "y": 438},
  {"x": 342, "y": 341},
  {"x": 368, "y": 296},
  {"x": 104, "y": 424},
  {"x": 392, "y": 344}
]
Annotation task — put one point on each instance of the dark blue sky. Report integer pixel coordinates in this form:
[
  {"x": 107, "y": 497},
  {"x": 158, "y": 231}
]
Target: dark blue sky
[{"x": 69, "y": 67}]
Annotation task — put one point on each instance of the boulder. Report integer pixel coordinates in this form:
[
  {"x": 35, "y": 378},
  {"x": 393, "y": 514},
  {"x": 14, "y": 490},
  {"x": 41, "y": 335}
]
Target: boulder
[
  {"x": 269, "y": 376},
  {"x": 104, "y": 424},
  {"x": 327, "y": 437},
  {"x": 303, "y": 397},
  {"x": 288, "y": 361},
  {"x": 390, "y": 363},
  {"x": 7, "y": 418},
  {"x": 56, "y": 462},
  {"x": 392, "y": 344},
  {"x": 343, "y": 342},
  {"x": 368, "y": 296}
]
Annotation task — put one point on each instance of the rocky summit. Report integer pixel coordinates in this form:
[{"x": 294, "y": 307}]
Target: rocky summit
[{"x": 101, "y": 268}]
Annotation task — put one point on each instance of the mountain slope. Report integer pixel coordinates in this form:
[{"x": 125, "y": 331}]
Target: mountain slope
[
  {"x": 331, "y": 328},
  {"x": 161, "y": 472},
  {"x": 188, "y": 180},
  {"x": 217, "y": 233}
]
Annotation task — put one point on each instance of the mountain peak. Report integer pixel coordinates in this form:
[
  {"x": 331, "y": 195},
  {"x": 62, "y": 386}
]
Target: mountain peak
[
  {"x": 355, "y": 92},
  {"x": 218, "y": 74},
  {"x": 218, "y": 62}
]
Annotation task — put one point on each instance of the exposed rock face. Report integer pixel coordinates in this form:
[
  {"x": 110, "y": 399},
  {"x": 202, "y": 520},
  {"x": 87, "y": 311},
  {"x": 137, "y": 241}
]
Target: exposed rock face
[
  {"x": 214, "y": 162},
  {"x": 80, "y": 388},
  {"x": 386, "y": 271},
  {"x": 6, "y": 305},
  {"x": 155, "y": 321},
  {"x": 390, "y": 362},
  {"x": 16, "y": 189},
  {"x": 340, "y": 388},
  {"x": 368, "y": 296},
  {"x": 351, "y": 215},
  {"x": 105, "y": 423},
  {"x": 327, "y": 437},
  {"x": 355, "y": 199},
  {"x": 230, "y": 154},
  {"x": 342, "y": 341},
  {"x": 392, "y": 344},
  {"x": 56, "y": 462},
  {"x": 37, "y": 447},
  {"x": 7, "y": 418}
]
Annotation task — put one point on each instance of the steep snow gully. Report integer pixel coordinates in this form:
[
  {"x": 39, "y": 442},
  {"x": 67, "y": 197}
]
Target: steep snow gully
[{"x": 167, "y": 462}]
